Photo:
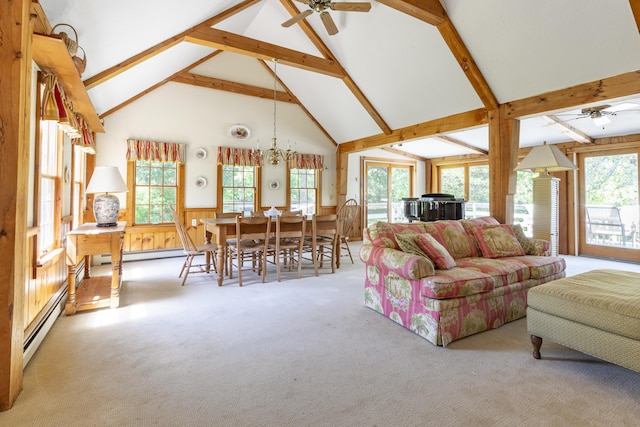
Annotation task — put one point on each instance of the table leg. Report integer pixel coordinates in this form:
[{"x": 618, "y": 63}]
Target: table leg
[{"x": 221, "y": 241}]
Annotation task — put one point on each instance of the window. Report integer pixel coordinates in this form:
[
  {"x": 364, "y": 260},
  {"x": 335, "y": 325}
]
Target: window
[
  {"x": 303, "y": 190},
  {"x": 386, "y": 184},
  {"x": 239, "y": 185},
  {"x": 49, "y": 134},
  {"x": 156, "y": 187}
]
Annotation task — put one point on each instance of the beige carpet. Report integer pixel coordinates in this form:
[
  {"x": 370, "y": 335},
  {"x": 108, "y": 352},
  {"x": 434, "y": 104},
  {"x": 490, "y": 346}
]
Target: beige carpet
[{"x": 300, "y": 353}]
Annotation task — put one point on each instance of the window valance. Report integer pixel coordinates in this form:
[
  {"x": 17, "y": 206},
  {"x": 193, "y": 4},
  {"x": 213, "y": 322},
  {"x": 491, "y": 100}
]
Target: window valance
[
  {"x": 237, "y": 156},
  {"x": 307, "y": 161},
  {"x": 138, "y": 149}
]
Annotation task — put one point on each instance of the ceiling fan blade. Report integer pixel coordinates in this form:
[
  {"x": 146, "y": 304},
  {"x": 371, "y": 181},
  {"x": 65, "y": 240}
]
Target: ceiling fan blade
[
  {"x": 327, "y": 20},
  {"x": 297, "y": 18},
  {"x": 351, "y": 7},
  {"x": 621, "y": 107},
  {"x": 304, "y": 1}
]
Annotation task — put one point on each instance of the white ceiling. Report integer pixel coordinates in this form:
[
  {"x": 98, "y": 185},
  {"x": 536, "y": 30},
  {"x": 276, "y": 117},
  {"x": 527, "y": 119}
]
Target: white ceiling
[{"x": 401, "y": 64}]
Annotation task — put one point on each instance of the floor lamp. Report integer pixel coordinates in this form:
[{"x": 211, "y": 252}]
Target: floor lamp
[{"x": 544, "y": 159}]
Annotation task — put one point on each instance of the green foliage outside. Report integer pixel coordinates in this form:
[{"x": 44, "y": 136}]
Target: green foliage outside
[
  {"x": 611, "y": 180},
  {"x": 156, "y": 189}
]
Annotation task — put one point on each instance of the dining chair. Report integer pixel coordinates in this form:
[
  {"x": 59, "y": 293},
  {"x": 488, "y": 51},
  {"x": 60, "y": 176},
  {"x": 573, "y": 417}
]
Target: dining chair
[
  {"x": 323, "y": 241},
  {"x": 227, "y": 264},
  {"x": 192, "y": 250},
  {"x": 289, "y": 240},
  {"x": 296, "y": 212},
  {"x": 348, "y": 215},
  {"x": 252, "y": 240}
]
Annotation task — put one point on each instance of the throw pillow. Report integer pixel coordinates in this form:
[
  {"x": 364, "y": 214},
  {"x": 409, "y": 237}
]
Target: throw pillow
[
  {"x": 525, "y": 242},
  {"x": 408, "y": 244},
  {"x": 438, "y": 253},
  {"x": 497, "y": 241}
]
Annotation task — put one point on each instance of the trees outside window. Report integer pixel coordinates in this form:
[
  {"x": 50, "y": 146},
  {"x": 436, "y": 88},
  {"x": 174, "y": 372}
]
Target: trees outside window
[
  {"x": 238, "y": 187},
  {"x": 303, "y": 190},
  {"x": 156, "y": 187}
]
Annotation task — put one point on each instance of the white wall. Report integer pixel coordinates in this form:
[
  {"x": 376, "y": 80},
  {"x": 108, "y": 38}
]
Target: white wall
[{"x": 200, "y": 117}]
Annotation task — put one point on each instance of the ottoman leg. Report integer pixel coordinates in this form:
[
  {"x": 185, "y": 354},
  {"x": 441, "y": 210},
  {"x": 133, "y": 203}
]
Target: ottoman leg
[{"x": 537, "y": 342}]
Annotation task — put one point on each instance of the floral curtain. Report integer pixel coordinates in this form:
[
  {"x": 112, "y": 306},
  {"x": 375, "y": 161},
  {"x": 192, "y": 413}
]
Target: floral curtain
[
  {"x": 237, "y": 156},
  {"x": 307, "y": 161},
  {"x": 138, "y": 149}
]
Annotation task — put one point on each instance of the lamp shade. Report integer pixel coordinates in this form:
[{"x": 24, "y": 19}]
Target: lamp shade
[
  {"x": 106, "y": 207},
  {"x": 106, "y": 179},
  {"x": 546, "y": 158}
]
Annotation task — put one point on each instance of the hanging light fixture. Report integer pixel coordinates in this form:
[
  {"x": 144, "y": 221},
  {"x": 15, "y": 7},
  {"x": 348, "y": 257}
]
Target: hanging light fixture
[{"x": 274, "y": 155}]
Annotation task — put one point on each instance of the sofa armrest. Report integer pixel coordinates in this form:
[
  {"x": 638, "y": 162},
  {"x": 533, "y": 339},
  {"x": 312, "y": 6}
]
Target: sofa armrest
[
  {"x": 406, "y": 265},
  {"x": 540, "y": 247}
]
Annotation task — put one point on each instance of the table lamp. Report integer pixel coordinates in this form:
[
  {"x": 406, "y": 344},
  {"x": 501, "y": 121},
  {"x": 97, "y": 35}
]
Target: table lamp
[{"x": 107, "y": 180}]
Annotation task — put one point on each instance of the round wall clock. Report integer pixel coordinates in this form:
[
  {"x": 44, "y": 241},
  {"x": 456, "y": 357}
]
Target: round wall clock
[
  {"x": 201, "y": 153},
  {"x": 239, "y": 132}
]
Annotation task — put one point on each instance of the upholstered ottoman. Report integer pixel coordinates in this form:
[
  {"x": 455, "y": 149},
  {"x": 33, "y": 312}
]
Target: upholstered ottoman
[{"x": 597, "y": 312}]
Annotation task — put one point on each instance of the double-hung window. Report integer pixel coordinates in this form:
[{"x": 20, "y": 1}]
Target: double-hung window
[
  {"x": 239, "y": 186},
  {"x": 156, "y": 187},
  {"x": 303, "y": 190}
]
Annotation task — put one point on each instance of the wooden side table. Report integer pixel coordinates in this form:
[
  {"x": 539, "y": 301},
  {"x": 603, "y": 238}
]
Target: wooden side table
[{"x": 94, "y": 292}]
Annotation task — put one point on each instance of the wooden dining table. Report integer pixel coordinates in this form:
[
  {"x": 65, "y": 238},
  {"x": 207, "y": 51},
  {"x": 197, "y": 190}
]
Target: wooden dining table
[{"x": 221, "y": 228}]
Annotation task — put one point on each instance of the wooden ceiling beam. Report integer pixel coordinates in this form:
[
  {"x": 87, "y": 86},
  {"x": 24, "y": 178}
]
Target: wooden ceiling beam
[
  {"x": 326, "y": 52},
  {"x": 431, "y": 128},
  {"x": 302, "y": 107},
  {"x": 429, "y": 11},
  {"x": 458, "y": 143},
  {"x": 567, "y": 129},
  {"x": 405, "y": 154},
  {"x": 229, "y": 86},
  {"x": 128, "y": 63},
  {"x": 635, "y": 8},
  {"x": 600, "y": 90},
  {"x": 262, "y": 50}
]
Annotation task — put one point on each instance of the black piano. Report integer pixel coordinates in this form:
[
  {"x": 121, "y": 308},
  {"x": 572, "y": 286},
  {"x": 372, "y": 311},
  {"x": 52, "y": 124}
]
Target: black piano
[{"x": 433, "y": 207}]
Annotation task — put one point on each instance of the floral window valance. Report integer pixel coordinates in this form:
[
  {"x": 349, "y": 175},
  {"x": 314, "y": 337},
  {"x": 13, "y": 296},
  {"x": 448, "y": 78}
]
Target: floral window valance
[
  {"x": 138, "y": 149},
  {"x": 237, "y": 156},
  {"x": 307, "y": 161}
]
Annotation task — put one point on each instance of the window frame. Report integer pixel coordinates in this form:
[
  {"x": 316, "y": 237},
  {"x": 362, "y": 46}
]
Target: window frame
[
  {"x": 257, "y": 200},
  {"x": 317, "y": 189}
]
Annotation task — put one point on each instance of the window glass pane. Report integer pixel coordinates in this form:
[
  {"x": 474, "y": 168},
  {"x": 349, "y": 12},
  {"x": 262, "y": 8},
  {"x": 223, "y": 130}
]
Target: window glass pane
[
  {"x": 238, "y": 188},
  {"x": 478, "y": 203},
  {"x": 156, "y": 188},
  {"x": 452, "y": 181},
  {"x": 303, "y": 190}
]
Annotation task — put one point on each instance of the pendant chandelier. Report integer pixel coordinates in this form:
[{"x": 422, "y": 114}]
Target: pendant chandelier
[{"x": 274, "y": 155}]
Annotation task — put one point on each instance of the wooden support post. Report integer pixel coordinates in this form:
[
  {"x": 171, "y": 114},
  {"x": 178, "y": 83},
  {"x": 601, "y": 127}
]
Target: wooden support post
[
  {"x": 504, "y": 135},
  {"x": 15, "y": 87}
]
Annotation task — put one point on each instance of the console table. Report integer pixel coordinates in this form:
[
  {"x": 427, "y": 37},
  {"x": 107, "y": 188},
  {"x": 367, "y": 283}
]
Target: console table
[{"x": 94, "y": 292}]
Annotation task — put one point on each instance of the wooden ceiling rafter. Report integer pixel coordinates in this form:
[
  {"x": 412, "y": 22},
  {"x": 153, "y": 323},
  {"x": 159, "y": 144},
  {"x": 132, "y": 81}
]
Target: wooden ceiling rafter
[
  {"x": 302, "y": 107},
  {"x": 234, "y": 87},
  {"x": 326, "y": 52},
  {"x": 405, "y": 154},
  {"x": 427, "y": 129},
  {"x": 635, "y": 8},
  {"x": 567, "y": 129},
  {"x": 452, "y": 141},
  {"x": 123, "y": 66},
  {"x": 432, "y": 12}
]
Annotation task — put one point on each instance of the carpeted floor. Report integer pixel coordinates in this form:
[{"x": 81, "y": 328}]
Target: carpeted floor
[{"x": 301, "y": 353}]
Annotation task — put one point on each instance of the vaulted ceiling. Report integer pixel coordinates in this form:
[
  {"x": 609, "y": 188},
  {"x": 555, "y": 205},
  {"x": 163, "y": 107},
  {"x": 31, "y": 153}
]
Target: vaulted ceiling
[{"x": 403, "y": 65}]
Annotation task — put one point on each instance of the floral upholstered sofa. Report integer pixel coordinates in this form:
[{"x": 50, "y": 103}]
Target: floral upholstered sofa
[{"x": 446, "y": 280}]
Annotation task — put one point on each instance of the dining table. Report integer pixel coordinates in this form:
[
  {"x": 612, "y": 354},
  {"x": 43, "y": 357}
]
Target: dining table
[{"x": 222, "y": 228}]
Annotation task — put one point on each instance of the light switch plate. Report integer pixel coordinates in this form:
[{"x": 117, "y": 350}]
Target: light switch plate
[{"x": 194, "y": 223}]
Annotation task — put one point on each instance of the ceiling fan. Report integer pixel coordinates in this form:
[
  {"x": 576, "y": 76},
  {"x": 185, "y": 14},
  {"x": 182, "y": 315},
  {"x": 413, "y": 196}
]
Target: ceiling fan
[
  {"x": 599, "y": 113},
  {"x": 321, "y": 6}
]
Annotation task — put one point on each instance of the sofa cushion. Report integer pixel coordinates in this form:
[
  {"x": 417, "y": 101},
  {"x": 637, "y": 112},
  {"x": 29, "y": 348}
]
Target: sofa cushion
[
  {"x": 383, "y": 233},
  {"x": 497, "y": 241},
  {"x": 471, "y": 224},
  {"x": 542, "y": 266},
  {"x": 527, "y": 245},
  {"x": 434, "y": 250},
  {"x": 408, "y": 243},
  {"x": 452, "y": 235},
  {"x": 503, "y": 270},
  {"x": 456, "y": 282}
]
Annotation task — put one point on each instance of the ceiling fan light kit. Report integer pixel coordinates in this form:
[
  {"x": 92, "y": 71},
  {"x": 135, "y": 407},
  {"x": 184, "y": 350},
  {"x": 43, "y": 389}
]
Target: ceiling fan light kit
[{"x": 321, "y": 6}]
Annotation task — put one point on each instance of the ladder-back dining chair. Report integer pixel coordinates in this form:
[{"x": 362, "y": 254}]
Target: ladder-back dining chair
[
  {"x": 252, "y": 240},
  {"x": 288, "y": 241},
  {"x": 348, "y": 216},
  {"x": 192, "y": 250},
  {"x": 323, "y": 241}
]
